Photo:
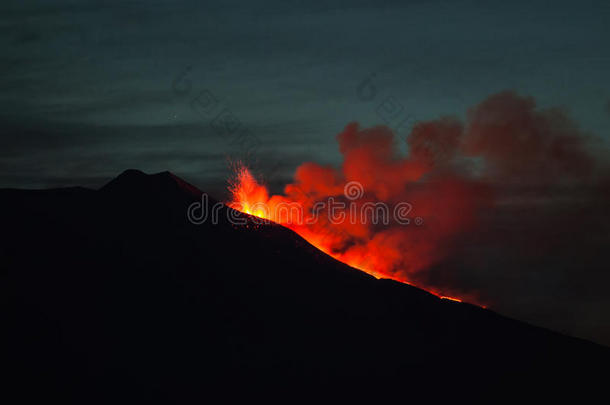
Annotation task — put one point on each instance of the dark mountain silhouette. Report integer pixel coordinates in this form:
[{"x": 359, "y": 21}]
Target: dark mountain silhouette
[{"x": 114, "y": 296}]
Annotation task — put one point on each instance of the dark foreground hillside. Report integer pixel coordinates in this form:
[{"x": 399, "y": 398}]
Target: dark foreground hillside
[{"x": 114, "y": 296}]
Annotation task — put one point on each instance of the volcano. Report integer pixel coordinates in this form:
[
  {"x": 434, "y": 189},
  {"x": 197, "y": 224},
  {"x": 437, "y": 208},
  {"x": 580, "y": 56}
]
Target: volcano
[{"x": 113, "y": 295}]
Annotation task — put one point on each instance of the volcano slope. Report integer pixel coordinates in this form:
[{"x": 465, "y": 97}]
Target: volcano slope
[{"x": 113, "y": 295}]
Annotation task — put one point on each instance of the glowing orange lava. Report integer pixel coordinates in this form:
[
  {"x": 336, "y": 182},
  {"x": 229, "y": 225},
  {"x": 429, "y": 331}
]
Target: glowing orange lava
[
  {"x": 252, "y": 198},
  {"x": 443, "y": 297}
]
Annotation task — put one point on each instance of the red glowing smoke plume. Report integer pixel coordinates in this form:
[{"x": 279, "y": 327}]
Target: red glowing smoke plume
[{"x": 448, "y": 179}]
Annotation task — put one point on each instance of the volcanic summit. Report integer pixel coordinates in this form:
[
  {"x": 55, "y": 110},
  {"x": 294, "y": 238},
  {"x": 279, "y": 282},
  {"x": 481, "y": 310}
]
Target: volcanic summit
[{"x": 113, "y": 294}]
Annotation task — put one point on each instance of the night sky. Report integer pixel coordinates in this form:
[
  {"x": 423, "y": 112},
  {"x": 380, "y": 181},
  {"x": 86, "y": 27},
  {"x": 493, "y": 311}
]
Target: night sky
[{"x": 91, "y": 88}]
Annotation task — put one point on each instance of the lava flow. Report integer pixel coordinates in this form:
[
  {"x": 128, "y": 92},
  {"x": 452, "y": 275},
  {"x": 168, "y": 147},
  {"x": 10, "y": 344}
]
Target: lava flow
[
  {"x": 366, "y": 223},
  {"x": 250, "y": 197}
]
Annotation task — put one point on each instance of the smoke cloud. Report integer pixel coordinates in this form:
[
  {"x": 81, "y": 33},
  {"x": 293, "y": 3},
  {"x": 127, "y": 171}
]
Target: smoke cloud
[{"x": 510, "y": 186}]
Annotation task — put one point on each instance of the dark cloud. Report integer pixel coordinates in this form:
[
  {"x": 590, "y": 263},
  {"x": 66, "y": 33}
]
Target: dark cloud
[{"x": 538, "y": 252}]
